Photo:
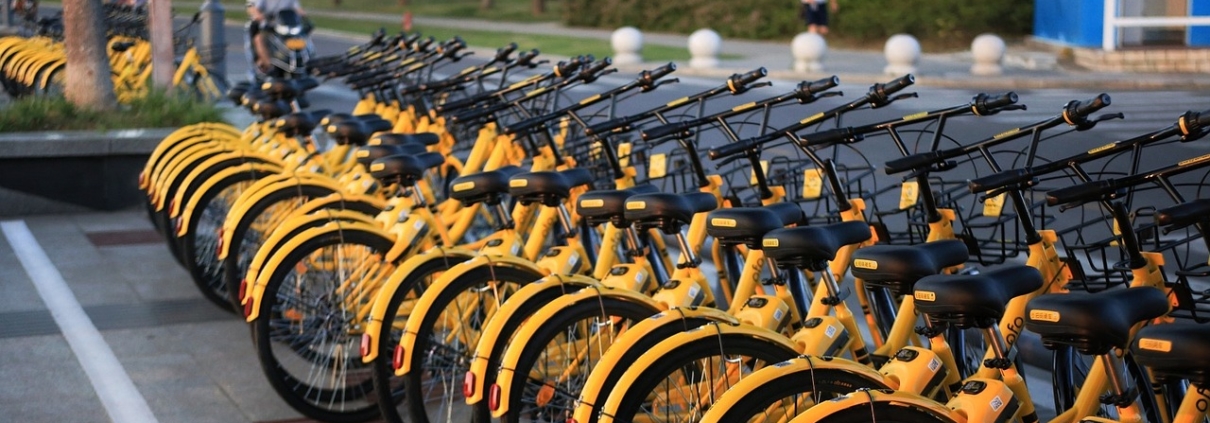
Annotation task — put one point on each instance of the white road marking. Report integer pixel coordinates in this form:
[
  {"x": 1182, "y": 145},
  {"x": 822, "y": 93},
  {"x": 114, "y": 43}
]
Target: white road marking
[{"x": 113, "y": 386}]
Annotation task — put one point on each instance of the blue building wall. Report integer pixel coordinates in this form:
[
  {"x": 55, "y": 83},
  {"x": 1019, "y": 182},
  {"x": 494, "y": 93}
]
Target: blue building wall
[
  {"x": 1199, "y": 35},
  {"x": 1079, "y": 22},
  {"x": 1072, "y": 22}
]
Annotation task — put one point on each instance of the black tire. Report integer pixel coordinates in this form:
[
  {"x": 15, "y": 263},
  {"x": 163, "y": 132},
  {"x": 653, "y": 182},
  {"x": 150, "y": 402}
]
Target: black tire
[
  {"x": 438, "y": 369},
  {"x": 412, "y": 286},
  {"x": 245, "y": 241},
  {"x": 792, "y": 390},
  {"x": 199, "y": 246},
  {"x": 562, "y": 329},
  {"x": 637, "y": 349},
  {"x": 318, "y": 343},
  {"x": 682, "y": 364}
]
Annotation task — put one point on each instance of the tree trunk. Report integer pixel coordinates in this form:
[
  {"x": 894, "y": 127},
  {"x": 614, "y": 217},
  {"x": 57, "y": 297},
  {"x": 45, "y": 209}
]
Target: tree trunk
[
  {"x": 486, "y": 4},
  {"x": 159, "y": 25},
  {"x": 539, "y": 7},
  {"x": 88, "y": 83}
]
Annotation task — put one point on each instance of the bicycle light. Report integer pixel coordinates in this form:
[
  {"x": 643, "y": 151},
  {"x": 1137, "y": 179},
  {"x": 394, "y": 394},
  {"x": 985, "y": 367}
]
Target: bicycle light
[
  {"x": 397, "y": 360},
  {"x": 243, "y": 291},
  {"x": 468, "y": 384},
  {"x": 248, "y": 308},
  {"x": 218, "y": 251},
  {"x": 493, "y": 397},
  {"x": 365, "y": 344}
]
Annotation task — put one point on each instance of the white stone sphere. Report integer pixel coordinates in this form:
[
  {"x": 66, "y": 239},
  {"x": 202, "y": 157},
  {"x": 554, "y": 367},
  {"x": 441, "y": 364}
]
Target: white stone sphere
[
  {"x": 627, "y": 43},
  {"x": 808, "y": 49},
  {"x": 987, "y": 51},
  {"x": 704, "y": 46},
  {"x": 902, "y": 52}
]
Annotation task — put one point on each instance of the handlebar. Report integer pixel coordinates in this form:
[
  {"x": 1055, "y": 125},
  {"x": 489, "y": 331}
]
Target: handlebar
[
  {"x": 649, "y": 77},
  {"x": 1082, "y": 193},
  {"x": 808, "y": 89},
  {"x": 738, "y": 82},
  {"x": 879, "y": 95},
  {"x": 503, "y": 53},
  {"x": 1076, "y": 112},
  {"x": 984, "y": 105}
]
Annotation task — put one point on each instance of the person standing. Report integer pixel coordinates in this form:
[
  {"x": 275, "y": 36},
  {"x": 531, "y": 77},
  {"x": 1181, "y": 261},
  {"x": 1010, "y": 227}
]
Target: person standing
[{"x": 815, "y": 13}]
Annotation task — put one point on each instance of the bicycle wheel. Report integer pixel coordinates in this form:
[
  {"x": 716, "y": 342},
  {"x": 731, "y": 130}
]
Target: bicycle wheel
[
  {"x": 554, "y": 364},
  {"x": 397, "y": 312},
  {"x": 201, "y": 240},
  {"x": 685, "y": 380},
  {"x": 307, "y": 337},
  {"x": 637, "y": 342},
  {"x": 254, "y": 227},
  {"x": 442, "y": 352},
  {"x": 787, "y": 389}
]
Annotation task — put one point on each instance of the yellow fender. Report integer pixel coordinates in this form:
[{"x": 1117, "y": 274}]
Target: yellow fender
[
  {"x": 252, "y": 301},
  {"x": 866, "y": 398},
  {"x": 800, "y": 368},
  {"x": 424, "y": 304},
  {"x": 626, "y": 383},
  {"x": 208, "y": 158},
  {"x": 591, "y": 394},
  {"x": 288, "y": 230},
  {"x": 191, "y": 207},
  {"x": 524, "y": 334},
  {"x": 255, "y": 193},
  {"x": 284, "y": 180},
  {"x": 565, "y": 284},
  {"x": 191, "y": 179},
  {"x": 383, "y": 298},
  {"x": 180, "y": 155}
]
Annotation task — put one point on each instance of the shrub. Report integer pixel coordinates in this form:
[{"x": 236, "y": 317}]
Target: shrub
[{"x": 157, "y": 110}]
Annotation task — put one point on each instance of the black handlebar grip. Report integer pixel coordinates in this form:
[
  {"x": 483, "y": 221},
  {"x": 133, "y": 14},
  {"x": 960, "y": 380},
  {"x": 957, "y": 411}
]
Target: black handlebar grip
[
  {"x": 730, "y": 149},
  {"x": 998, "y": 180},
  {"x": 915, "y": 161},
  {"x": 610, "y": 125},
  {"x": 596, "y": 68},
  {"x": 526, "y": 58},
  {"x": 502, "y": 53},
  {"x": 423, "y": 44},
  {"x": 1081, "y": 193},
  {"x": 1183, "y": 214},
  {"x": 1082, "y": 109},
  {"x": 987, "y": 104},
  {"x": 898, "y": 84},
  {"x": 563, "y": 69},
  {"x": 526, "y": 124},
  {"x": 829, "y": 137},
  {"x": 820, "y": 85},
  {"x": 738, "y": 81},
  {"x": 663, "y": 131},
  {"x": 650, "y": 76}
]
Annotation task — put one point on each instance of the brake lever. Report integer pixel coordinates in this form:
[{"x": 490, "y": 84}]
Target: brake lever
[
  {"x": 1091, "y": 123},
  {"x": 648, "y": 88}
]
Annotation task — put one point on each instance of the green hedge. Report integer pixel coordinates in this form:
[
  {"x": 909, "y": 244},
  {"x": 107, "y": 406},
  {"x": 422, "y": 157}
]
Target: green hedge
[{"x": 944, "y": 21}]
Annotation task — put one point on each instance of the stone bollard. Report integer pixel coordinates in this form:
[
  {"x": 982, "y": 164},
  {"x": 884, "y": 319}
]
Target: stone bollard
[
  {"x": 902, "y": 51},
  {"x": 987, "y": 51},
  {"x": 704, "y": 46},
  {"x": 808, "y": 49},
  {"x": 627, "y": 43},
  {"x": 212, "y": 44}
]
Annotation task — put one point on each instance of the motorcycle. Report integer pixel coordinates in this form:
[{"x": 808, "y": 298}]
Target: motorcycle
[{"x": 289, "y": 46}]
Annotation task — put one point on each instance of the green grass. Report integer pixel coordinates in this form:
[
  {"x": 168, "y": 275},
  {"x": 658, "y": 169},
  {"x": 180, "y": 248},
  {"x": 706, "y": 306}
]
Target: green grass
[
  {"x": 157, "y": 110},
  {"x": 547, "y": 44}
]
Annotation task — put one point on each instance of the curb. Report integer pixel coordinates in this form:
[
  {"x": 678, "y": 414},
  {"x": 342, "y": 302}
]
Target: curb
[{"x": 73, "y": 171}]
